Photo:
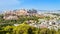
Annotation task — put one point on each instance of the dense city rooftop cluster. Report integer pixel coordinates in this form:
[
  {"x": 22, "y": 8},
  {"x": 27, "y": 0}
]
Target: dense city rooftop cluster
[
  {"x": 29, "y": 18},
  {"x": 45, "y": 20}
]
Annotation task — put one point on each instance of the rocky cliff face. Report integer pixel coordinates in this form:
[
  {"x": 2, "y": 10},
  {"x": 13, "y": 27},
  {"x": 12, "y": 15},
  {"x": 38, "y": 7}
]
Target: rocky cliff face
[{"x": 15, "y": 13}]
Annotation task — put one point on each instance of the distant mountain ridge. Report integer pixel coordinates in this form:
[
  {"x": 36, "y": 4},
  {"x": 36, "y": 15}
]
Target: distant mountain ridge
[{"x": 39, "y": 11}]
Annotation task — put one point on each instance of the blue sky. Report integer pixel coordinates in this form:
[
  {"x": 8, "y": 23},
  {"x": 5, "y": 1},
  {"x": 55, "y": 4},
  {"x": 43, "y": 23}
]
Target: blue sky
[{"x": 29, "y": 4}]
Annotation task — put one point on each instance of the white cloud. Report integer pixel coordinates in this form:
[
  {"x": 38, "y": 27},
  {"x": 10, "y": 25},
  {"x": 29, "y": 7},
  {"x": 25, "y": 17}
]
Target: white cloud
[{"x": 8, "y": 2}]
